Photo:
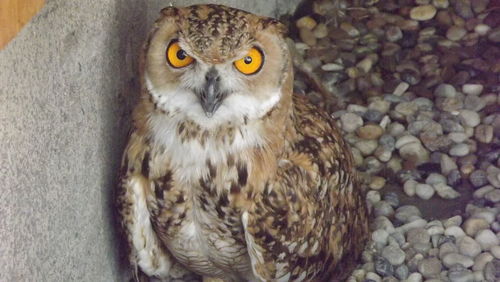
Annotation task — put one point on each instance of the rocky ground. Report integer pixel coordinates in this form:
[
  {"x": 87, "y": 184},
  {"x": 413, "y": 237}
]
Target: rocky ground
[{"x": 414, "y": 85}]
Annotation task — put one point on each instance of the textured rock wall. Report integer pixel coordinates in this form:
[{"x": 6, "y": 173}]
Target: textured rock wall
[{"x": 66, "y": 84}]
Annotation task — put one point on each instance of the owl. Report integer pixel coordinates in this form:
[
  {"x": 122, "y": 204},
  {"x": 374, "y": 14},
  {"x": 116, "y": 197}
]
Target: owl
[{"x": 227, "y": 173}]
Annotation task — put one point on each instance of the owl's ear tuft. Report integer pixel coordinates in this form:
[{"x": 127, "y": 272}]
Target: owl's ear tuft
[
  {"x": 274, "y": 24},
  {"x": 169, "y": 11}
]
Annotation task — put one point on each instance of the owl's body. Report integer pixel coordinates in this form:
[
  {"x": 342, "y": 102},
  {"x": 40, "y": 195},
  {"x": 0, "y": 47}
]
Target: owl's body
[{"x": 227, "y": 174}]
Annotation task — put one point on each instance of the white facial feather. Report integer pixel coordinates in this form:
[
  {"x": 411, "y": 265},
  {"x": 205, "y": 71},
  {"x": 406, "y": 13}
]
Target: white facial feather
[{"x": 190, "y": 157}]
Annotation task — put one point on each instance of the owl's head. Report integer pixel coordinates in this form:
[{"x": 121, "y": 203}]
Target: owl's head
[{"x": 214, "y": 64}]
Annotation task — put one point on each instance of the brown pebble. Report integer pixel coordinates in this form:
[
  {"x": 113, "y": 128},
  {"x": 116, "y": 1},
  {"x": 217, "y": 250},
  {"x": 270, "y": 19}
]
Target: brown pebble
[{"x": 370, "y": 131}]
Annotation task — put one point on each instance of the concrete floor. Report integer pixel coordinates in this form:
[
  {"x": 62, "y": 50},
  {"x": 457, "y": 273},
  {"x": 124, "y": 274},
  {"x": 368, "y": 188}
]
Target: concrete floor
[{"x": 67, "y": 82}]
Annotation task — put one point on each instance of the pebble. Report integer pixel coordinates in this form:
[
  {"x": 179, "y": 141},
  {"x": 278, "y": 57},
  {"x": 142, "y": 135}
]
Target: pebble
[
  {"x": 410, "y": 187},
  {"x": 332, "y": 67},
  {"x": 435, "y": 178},
  {"x": 446, "y": 192},
  {"x": 382, "y": 208},
  {"x": 306, "y": 22},
  {"x": 370, "y": 276},
  {"x": 478, "y": 178},
  {"x": 459, "y": 150},
  {"x": 455, "y": 33},
  {"x": 445, "y": 91},
  {"x": 393, "y": 254},
  {"x": 463, "y": 8},
  {"x": 370, "y": 131},
  {"x": 401, "y": 272},
  {"x": 487, "y": 239},
  {"x": 350, "y": 122},
  {"x": 495, "y": 251},
  {"x": 407, "y": 213},
  {"x": 461, "y": 275},
  {"x": 366, "y": 147},
  {"x": 481, "y": 260},
  {"x": 482, "y": 29},
  {"x": 424, "y": 191},
  {"x": 473, "y": 225},
  {"x": 414, "y": 277},
  {"x": 469, "y": 118},
  {"x": 447, "y": 248},
  {"x": 380, "y": 236},
  {"x": 467, "y": 246},
  {"x": 493, "y": 175},
  {"x": 454, "y": 231},
  {"x": 382, "y": 266},
  {"x": 484, "y": 133},
  {"x": 493, "y": 196},
  {"x": 414, "y": 152},
  {"x": 440, "y": 4},
  {"x": 418, "y": 235},
  {"x": 454, "y": 258},
  {"x": 472, "y": 89},
  {"x": 447, "y": 164},
  {"x": 479, "y": 193},
  {"x": 494, "y": 35},
  {"x": 430, "y": 267},
  {"x": 423, "y": 13}
]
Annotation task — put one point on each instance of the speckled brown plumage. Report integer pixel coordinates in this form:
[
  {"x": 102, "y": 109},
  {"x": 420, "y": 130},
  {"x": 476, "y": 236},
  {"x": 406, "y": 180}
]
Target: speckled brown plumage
[{"x": 264, "y": 190}]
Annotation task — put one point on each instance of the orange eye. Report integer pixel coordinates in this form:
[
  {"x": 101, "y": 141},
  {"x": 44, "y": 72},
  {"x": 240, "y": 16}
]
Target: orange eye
[
  {"x": 251, "y": 63},
  {"x": 176, "y": 57}
]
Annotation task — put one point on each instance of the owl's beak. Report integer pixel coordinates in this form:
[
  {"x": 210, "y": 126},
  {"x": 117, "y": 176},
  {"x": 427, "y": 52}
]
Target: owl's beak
[{"x": 211, "y": 95}]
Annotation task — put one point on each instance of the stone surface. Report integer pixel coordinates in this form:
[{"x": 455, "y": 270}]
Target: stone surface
[{"x": 66, "y": 84}]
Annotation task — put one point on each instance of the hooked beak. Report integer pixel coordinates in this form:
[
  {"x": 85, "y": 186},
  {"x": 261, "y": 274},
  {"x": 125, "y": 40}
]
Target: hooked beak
[{"x": 210, "y": 94}]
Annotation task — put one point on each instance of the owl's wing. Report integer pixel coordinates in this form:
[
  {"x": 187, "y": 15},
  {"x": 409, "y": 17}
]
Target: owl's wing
[
  {"x": 310, "y": 220},
  {"x": 134, "y": 190}
]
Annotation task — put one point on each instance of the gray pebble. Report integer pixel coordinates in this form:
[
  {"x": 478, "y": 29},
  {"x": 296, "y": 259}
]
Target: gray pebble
[
  {"x": 430, "y": 267},
  {"x": 401, "y": 272},
  {"x": 478, "y": 178},
  {"x": 418, "y": 235},
  {"x": 382, "y": 266},
  {"x": 393, "y": 254},
  {"x": 455, "y": 258}
]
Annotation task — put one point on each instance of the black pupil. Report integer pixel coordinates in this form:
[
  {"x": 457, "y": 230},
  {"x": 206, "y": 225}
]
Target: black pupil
[
  {"x": 181, "y": 54},
  {"x": 247, "y": 60}
]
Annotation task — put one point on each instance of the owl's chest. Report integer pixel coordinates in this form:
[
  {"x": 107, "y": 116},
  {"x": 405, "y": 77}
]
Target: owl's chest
[
  {"x": 199, "y": 218},
  {"x": 203, "y": 232}
]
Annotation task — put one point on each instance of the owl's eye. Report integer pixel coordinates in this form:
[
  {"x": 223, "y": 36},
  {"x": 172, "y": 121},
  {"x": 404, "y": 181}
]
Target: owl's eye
[
  {"x": 251, "y": 63},
  {"x": 176, "y": 57}
]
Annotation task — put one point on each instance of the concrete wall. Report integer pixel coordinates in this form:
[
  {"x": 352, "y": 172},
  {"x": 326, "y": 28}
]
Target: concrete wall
[{"x": 67, "y": 82}]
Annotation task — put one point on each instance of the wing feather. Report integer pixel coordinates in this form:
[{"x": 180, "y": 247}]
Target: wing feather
[{"x": 310, "y": 220}]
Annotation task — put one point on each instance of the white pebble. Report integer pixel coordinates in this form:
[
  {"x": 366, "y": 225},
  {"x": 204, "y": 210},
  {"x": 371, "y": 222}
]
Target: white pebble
[
  {"x": 380, "y": 236},
  {"x": 454, "y": 231},
  {"x": 351, "y": 122},
  {"x": 452, "y": 221},
  {"x": 414, "y": 277},
  {"x": 472, "y": 89},
  {"x": 469, "y": 118},
  {"x": 406, "y": 139},
  {"x": 424, "y": 191},
  {"x": 393, "y": 254},
  {"x": 332, "y": 67},
  {"x": 482, "y": 29},
  {"x": 479, "y": 193},
  {"x": 373, "y": 276},
  {"x": 495, "y": 251},
  {"x": 435, "y": 178},
  {"x": 467, "y": 246},
  {"x": 481, "y": 260},
  {"x": 446, "y": 192},
  {"x": 459, "y": 150},
  {"x": 453, "y": 258},
  {"x": 410, "y": 187},
  {"x": 487, "y": 239},
  {"x": 401, "y": 88},
  {"x": 417, "y": 223}
]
